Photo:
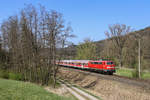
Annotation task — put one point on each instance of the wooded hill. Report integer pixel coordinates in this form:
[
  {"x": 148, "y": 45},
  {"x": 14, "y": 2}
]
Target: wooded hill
[{"x": 106, "y": 49}]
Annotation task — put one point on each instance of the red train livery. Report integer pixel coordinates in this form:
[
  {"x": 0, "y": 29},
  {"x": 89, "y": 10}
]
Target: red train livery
[{"x": 104, "y": 66}]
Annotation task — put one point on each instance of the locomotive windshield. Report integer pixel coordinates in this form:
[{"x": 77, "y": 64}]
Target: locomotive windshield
[{"x": 109, "y": 63}]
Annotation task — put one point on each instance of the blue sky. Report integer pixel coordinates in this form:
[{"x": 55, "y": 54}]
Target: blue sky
[{"x": 89, "y": 18}]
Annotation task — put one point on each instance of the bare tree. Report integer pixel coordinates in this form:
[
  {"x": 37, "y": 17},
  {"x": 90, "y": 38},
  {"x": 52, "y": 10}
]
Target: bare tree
[
  {"x": 118, "y": 34},
  {"x": 32, "y": 40}
]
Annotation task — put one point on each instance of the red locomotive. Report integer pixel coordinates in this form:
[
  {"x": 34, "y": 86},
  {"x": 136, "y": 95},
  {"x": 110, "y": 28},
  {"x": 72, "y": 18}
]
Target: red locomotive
[{"x": 104, "y": 66}]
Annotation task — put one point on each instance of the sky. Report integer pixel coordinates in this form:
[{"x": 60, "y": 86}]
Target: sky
[{"x": 88, "y": 18}]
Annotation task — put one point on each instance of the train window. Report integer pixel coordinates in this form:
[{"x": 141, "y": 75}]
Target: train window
[
  {"x": 94, "y": 62},
  {"x": 109, "y": 63},
  {"x": 99, "y": 62}
]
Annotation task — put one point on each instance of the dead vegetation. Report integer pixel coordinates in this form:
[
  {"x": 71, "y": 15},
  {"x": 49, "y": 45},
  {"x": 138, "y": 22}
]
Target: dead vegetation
[
  {"x": 106, "y": 89},
  {"x": 60, "y": 91}
]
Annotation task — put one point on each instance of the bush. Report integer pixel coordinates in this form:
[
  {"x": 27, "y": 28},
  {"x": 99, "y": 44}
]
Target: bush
[
  {"x": 15, "y": 76},
  {"x": 8, "y": 75},
  {"x": 4, "y": 74},
  {"x": 135, "y": 74}
]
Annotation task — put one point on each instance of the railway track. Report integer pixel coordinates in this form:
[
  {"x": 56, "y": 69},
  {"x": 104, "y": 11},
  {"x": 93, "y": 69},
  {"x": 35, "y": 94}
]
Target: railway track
[{"x": 130, "y": 81}]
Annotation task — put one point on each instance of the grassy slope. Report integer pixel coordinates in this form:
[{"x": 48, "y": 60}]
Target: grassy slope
[
  {"x": 15, "y": 90},
  {"x": 128, "y": 73}
]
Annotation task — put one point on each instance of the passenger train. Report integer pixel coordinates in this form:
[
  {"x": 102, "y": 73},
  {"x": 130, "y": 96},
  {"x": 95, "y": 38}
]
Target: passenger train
[{"x": 104, "y": 66}]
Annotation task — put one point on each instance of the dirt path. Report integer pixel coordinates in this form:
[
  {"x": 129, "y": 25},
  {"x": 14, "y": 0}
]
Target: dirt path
[
  {"x": 67, "y": 88},
  {"x": 77, "y": 95},
  {"x": 81, "y": 95}
]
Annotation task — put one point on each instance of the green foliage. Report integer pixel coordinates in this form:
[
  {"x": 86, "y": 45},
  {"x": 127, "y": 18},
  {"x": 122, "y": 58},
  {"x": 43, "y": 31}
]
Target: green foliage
[
  {"x": 4, "y": 74},
  {"x": 15, "y": 90},
  {"x": 86, "y": 50},
  {"x": 15, "y": 76},
  {"x": 9, "y": 75},
  {"x": 135, "y": 74}
]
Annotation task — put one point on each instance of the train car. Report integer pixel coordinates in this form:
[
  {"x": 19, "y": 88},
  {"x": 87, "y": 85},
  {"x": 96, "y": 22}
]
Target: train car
[{"x": 104, "y": 66}]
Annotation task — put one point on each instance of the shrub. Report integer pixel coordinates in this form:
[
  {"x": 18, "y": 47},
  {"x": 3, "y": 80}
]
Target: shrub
[
  {"x": 4, "y": 74},
  {"x": 135, "y": 74},
  {"x": 15, "y": 76},
  {"x": 9, "y": 75}
]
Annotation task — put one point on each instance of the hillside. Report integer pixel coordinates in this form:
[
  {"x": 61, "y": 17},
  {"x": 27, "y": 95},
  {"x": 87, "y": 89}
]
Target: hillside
[
  {"x": 143, "y": 33},
  {"x": 106, "y": 49}
]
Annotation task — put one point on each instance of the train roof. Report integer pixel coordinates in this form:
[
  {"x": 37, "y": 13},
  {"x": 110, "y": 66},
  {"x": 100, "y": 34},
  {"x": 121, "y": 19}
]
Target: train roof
[
  {"x": 80, "y": 61},
  {"x": 84, "y": 61}
]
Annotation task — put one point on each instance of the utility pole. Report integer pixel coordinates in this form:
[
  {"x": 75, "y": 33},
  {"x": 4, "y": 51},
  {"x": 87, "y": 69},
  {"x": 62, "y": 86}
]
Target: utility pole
[{"x": 139, "y": 53}]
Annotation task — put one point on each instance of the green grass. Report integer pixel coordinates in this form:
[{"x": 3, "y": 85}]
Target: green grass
[
  {"x": 131, "y": 73},
  {"x": 17, "y": 90},
  {"x": 146, "y": 76},
  {"x": 124, "y": 72}
]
